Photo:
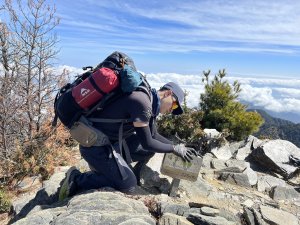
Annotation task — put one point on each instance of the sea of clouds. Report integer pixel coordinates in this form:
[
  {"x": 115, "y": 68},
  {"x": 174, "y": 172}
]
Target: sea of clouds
[{"x": 278, "y": 95}]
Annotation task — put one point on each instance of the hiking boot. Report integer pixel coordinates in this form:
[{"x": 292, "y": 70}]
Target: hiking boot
[{"x": 69, "y": 187}]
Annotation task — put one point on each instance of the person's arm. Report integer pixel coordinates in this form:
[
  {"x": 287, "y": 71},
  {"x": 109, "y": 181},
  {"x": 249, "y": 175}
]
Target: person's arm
[
  {"x": 143, "y": 132},
  {"x": 148, "y": 142},
  {"x": 159, "y": 137}
]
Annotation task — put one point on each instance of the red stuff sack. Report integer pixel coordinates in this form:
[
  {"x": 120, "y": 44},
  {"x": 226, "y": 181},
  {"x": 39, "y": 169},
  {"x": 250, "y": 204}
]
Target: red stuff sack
[{"x": 92, "y": 89}]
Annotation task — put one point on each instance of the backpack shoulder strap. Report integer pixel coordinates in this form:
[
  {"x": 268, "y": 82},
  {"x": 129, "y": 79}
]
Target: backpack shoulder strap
[{"x": 145, "y": 87}]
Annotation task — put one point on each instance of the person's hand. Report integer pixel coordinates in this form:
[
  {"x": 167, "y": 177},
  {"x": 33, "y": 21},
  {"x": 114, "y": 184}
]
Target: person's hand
[{"x": 185, "y": 153}]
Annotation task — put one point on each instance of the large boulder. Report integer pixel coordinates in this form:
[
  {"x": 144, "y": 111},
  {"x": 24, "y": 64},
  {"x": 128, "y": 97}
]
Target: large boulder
[
  {"x": 275, "y": 155},
  {"x": 277, "y": 217},
  {"x": 93, "y": 208},
  {"x": 284, "y": 193},
  {"x": 47, "y": 195},
  {"x": 266, "y": 183}
]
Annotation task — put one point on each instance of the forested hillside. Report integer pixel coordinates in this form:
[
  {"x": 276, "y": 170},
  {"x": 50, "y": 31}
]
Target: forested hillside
[{"x": 275, "y": 128}]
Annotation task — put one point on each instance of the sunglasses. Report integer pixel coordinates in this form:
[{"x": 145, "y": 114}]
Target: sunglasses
[{"x": 174, "y": 103}]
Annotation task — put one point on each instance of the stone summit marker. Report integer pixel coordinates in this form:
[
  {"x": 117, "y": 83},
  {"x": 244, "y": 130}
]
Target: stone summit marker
[{"x": 175, "y": 167}]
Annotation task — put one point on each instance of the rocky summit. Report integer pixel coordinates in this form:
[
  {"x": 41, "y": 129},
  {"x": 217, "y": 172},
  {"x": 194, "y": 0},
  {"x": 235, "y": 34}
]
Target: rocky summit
[{"x": 249, "y": 182}]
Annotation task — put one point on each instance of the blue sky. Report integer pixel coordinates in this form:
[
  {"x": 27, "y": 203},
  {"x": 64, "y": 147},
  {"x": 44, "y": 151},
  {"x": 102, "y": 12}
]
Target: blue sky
[
  {"x": 258, "y": 38},
  {"x": 257, "y": 42}
]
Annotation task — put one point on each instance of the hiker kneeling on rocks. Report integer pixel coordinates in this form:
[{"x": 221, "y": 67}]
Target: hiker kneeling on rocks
[{"x": 110, "y": 164}]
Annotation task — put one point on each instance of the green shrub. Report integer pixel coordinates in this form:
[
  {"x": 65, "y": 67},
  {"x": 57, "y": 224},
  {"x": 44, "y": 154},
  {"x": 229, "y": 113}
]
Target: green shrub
[
  {"x": 222, "y": 111},
  {"x": 186, "y": 126},
  {"x": 5, "y": 202}
]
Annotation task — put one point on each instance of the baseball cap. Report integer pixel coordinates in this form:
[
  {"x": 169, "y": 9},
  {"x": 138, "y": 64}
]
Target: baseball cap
[{"x": 179, "y": 94}]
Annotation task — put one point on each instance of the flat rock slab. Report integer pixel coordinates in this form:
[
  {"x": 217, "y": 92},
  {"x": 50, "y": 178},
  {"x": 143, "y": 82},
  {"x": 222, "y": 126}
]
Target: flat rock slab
[
  {"x": 175, "y": 167},
  {"x": 218, "y": 164},
  {"x": 277, "y": 217},
  {"x": 209, "y": 211},
  {"x": 169, "y": 219},
  {"x": 93, "y": 208},
  {"x": 283, "y": 193},
  {"x": 202, "y": 219},
  {"x": 235, "y": 178},
  {"x": 266, "y": 183}
]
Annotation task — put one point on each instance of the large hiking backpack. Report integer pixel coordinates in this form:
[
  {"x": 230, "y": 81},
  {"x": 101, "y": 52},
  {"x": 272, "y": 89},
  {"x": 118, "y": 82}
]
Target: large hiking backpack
[{"x": 97, "y": 87}]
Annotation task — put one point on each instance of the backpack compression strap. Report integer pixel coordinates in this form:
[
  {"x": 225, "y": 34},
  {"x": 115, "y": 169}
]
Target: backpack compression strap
[{"x": 121, "y": 140}]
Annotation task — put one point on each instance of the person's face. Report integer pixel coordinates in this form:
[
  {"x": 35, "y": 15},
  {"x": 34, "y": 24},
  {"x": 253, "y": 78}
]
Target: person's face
[{"x": 168, "y": 102}]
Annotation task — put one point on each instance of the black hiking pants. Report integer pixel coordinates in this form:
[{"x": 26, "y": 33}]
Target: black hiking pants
[{"x": 105, "y": 168}]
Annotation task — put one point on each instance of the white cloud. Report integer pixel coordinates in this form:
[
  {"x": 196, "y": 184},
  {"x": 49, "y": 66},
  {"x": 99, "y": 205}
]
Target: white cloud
[
  {"x": 191, "y": 83},
  {"x": 289, "y": 92},
  {"x": 258, "y": 92}
]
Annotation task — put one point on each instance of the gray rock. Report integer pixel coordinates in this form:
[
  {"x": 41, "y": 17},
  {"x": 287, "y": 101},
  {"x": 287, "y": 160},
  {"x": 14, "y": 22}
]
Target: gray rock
[
  {"x": 283, "y": 193},
  {"x": 251, "y": 141},
  {"x": 202, "y": 219},
  {"x": 234, "y": 146},
  {"x": 295, "y": 180},
  {"x": 218, "y": 195},
  {"x": 222, "y": 152},
  {"x": 135, "y": 221},
  {"x": 275, "y": 155},
  {"x": 194, "y": 189},
  {"x": 230, "y": 170},
  {"x": 252, "y": 176},
  {"x": 266, "y": 183},
  {"x": 277, "y": 217},
  {"x": 151, "y": 177},
  {"x": 249, "y": 216},
  {"x": 45, "y": 196},
  {"x": 245, "y": 149},
  {"x": 206, "y": 162},
  {"x": 230, "y": 216},
  {"x": 254, "y": 142},
  {"x": 170, "y": 219},
  {"x": 207, "y": 174},
  {"x": 248, "y": 203},
  {"x": 207, "y": 211},
  {"x": 242, "y": 165},
  {"x": 94, "y": 208},
  {"x": 192, "y": 210},
  {"x": 40, "y": 218},
  {"x": 18, "y": 204},
  {"x": 218, "y": 164},
  {"x": 177, "y": 209},
  {"x": 156, "y": 161},
  {"x": 243, "y": 153},
  {"x": 258, "y": 217},
  {"x": 52, "y": 185},
  {"x": 55, "y": 208},
  {"x": 235, "y": 178},
  {"x": 27, "y": 183},
  {"x": 211, "y": 133}
]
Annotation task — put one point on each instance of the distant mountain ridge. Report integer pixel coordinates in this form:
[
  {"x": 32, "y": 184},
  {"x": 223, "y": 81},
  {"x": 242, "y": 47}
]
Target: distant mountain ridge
[{"x": 276, "y": 128}]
